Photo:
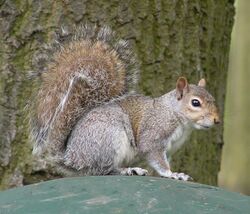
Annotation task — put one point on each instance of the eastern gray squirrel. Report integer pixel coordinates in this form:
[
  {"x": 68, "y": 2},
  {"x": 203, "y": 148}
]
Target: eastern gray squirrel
[{"x": 85, "y": 119}]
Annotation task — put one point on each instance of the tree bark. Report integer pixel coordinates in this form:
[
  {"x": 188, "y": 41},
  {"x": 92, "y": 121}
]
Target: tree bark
[
  {"x": 171, "y": 38},
  {"x": 235, "y": 171}
]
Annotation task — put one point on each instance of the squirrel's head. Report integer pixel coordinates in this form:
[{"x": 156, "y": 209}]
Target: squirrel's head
[{"x": 197, "y": 104}]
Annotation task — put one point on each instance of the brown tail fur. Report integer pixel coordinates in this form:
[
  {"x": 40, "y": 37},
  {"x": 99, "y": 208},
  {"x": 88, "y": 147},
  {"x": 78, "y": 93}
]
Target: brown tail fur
[{"x": 91, "y": 69}]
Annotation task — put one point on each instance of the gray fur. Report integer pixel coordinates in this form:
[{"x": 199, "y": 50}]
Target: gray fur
[
  {"x": 109, "y": 133},
  {"x": 95, "y": 141}
]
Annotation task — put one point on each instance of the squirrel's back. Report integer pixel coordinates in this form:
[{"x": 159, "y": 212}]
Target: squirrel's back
[{"x": 92, "y": 68}]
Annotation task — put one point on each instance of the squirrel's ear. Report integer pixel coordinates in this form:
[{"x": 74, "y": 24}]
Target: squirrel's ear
[
  {"x": 181, "y": 87},
  {"x": 202, "y": 83}
]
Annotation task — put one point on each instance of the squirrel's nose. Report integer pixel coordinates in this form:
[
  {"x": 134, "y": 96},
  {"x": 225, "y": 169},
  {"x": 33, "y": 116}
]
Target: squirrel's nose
[{"x": 216, "y": 121}]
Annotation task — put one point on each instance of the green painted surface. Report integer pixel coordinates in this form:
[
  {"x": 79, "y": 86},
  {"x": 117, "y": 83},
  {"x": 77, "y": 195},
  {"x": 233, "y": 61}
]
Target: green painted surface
[{"x": 115, "y": 194}]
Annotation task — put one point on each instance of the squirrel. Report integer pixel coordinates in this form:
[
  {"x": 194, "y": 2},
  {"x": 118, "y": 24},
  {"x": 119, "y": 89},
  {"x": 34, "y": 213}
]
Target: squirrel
[{"x": 87, "y": 120}]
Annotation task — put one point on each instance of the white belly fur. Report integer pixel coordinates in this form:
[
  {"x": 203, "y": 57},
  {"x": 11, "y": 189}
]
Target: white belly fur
[{"x": 178, "y": 138}]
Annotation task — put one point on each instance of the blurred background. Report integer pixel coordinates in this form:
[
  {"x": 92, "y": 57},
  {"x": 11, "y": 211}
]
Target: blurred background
[
  {"x": 235, "y": 164},
  {"x": 171, "y": 39}
]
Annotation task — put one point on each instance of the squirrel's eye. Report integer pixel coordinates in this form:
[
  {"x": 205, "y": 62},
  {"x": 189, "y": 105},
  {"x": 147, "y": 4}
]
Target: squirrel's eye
[{"x": 196, "y": 103}]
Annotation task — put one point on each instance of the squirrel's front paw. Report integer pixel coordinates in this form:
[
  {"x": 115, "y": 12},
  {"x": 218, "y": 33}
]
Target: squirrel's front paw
[
  {"x": 134, "y": 171},
  {"x": 181, "y": 176},
  {"x": 176, "y": 176}
]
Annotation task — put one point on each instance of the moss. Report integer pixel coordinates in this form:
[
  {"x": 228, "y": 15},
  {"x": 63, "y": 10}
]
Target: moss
[{"x": 22, "y": 19}]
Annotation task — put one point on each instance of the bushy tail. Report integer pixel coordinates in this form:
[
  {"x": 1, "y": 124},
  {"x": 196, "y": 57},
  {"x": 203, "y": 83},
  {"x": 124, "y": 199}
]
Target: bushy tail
[{"x": 92, "y": 68}]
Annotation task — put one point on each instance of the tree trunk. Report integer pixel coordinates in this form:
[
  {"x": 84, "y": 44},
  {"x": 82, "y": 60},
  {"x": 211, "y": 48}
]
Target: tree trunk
[
  {"x": 171, "y": 38},
  {"x": 235, "y": 171}
]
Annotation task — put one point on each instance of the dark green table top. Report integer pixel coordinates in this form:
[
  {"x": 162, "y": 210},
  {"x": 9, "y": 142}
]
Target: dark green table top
[{"x": 115, "y": 194}]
